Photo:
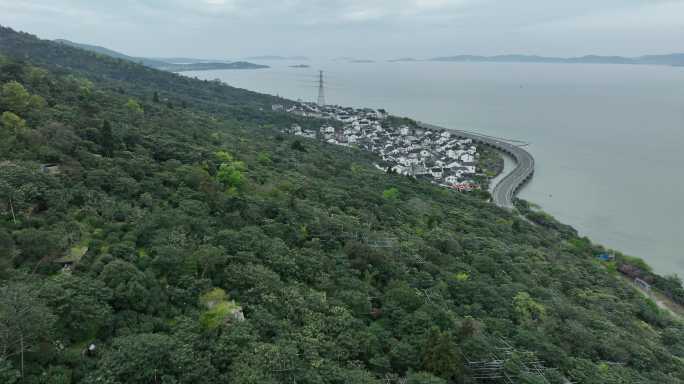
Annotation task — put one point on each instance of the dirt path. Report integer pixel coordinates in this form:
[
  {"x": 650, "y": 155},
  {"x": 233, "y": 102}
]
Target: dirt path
[{"x": 663, "y": 302}]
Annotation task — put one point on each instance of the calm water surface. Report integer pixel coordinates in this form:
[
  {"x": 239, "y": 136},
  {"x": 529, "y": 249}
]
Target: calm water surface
[{"x": 608, "y": 139}]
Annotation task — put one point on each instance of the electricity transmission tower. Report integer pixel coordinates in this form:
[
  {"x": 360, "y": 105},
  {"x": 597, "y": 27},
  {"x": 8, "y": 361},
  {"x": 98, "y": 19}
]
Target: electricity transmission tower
[{"x": 321, "y": 90}]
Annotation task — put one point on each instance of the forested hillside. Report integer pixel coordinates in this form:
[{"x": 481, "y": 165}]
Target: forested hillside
[{"x": 159, "y": 229}]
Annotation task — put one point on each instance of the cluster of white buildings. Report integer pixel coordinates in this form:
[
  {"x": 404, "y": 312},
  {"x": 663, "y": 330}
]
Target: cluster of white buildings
[{"x": 416, "y": 151}]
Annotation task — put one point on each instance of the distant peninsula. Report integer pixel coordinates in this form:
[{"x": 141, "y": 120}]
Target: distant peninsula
[
  {"x": 176, "y": 64},
  {"x": 361, "y": 61},
  {"x": 276, "y": 58},
  {"x": 300, "y": 66},
  {"x": 212, "y": 66},
  {"x": 675, "y": 59}
]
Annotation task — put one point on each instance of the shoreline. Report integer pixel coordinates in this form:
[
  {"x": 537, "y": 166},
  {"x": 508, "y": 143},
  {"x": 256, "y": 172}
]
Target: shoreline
[
  {"x": 506, "y": 189},
  {"x": 508, "y": 186}
]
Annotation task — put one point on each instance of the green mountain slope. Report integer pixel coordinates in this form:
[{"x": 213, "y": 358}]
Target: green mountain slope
[
  {"x": 105, "y": 51},
  {"x": 205, "y": 247}
]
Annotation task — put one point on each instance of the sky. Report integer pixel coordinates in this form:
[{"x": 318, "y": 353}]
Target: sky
[{"x": 363, "y": 29}]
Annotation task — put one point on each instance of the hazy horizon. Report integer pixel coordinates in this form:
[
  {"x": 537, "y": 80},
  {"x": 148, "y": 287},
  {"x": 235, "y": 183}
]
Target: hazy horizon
[{"x": 328, "y": 29}]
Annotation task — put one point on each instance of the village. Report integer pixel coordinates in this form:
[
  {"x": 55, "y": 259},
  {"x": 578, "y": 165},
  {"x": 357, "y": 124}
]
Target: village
[{"x": 407, "y": 149}]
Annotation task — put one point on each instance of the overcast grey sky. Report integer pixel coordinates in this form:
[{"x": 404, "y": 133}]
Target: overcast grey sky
[{"x": 360, "y": 28}]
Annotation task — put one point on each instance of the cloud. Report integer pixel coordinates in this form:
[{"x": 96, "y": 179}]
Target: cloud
[
  {"x": 368, "y": 27},
  {"x": 650, "y": 15}
]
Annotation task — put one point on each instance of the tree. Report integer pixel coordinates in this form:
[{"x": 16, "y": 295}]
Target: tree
[
  {"x": 263, "y": 158},
  {"x": 107, "y": 139},
  {"x": 7, "y": 252},
  {"x": 151, "y": 358},
  {"x": 8, "y": 374},
  {"x": 80, "y": 304},
  {"x": 11, "y": 126},
  {"x": 131, "y": 288},
  {"x": 441, "y": 356},
  {"x": 230, "y": 172},
  {"x": 134, "y": 107},
  {"x": 37, "y": 103},
  {"x": 390, "y": 194},
  {"x": 423, "y": 378},
  {"x": 298, "y": 146},
  {"x": 24, "y": 320},
  {"x": 155, "y": 97},
  {"x": 12, "y": 123},
  {"x": 14, "y": 98},
  {"x": 20, "y": 186},
  {"x": 230, "y": 176},
  {"x": 469, "y": 328},
  {"x": 209, "y": 258},
  {"x": 38, "y": 244},
  {"x": 527, "y": 310},
  {"x": 219, "y": 310}
]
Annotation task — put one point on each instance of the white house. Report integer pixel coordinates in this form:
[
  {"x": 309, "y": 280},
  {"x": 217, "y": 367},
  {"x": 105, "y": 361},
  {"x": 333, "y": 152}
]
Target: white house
[
  {"x": 419, "y": 169},
  {"x": 399, "y": 169},
  {"x": 309, "y": 134},
  {"x": 467, "y": 158}
]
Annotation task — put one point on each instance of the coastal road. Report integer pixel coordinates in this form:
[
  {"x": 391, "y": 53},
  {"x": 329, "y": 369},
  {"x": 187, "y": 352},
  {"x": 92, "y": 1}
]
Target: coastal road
[{"x": 506, "y": 189}]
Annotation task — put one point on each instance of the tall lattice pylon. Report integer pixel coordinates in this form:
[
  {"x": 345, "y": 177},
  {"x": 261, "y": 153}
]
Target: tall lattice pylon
[{"x": 321, "y": 89}]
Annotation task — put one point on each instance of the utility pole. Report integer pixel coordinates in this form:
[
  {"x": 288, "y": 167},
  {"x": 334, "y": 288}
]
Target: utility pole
[{"x": 321, "y": 90}]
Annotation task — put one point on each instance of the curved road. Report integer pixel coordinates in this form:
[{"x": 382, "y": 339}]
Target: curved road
[{"x": 505, "y": 190}]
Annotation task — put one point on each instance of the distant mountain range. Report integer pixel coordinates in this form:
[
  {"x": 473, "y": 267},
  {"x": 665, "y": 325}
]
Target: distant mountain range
[
  {"x": 676, "y": 59},
  {"x": 176, "y": 64},
  {"x": 180, "y": 64}
]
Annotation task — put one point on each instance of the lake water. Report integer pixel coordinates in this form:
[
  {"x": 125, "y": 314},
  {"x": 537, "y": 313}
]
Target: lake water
[{"x": 608, "y": 139}]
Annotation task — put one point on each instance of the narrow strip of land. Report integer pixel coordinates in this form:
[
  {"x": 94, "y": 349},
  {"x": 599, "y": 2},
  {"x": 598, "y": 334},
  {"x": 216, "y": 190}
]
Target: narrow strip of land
[{"x": 506, "y": 189}]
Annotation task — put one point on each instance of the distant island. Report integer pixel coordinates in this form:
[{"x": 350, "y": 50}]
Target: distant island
[
  {"x": 675, "y": 59},
  {"x": 187, "y": 60},
  {"x": 361, "y": 61},
  {"x": 403, "y": 59},
  {"x": 275, "y": 58},
  {"x": 300, "y": 66},
  {"x": 177, "y": 64}
]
